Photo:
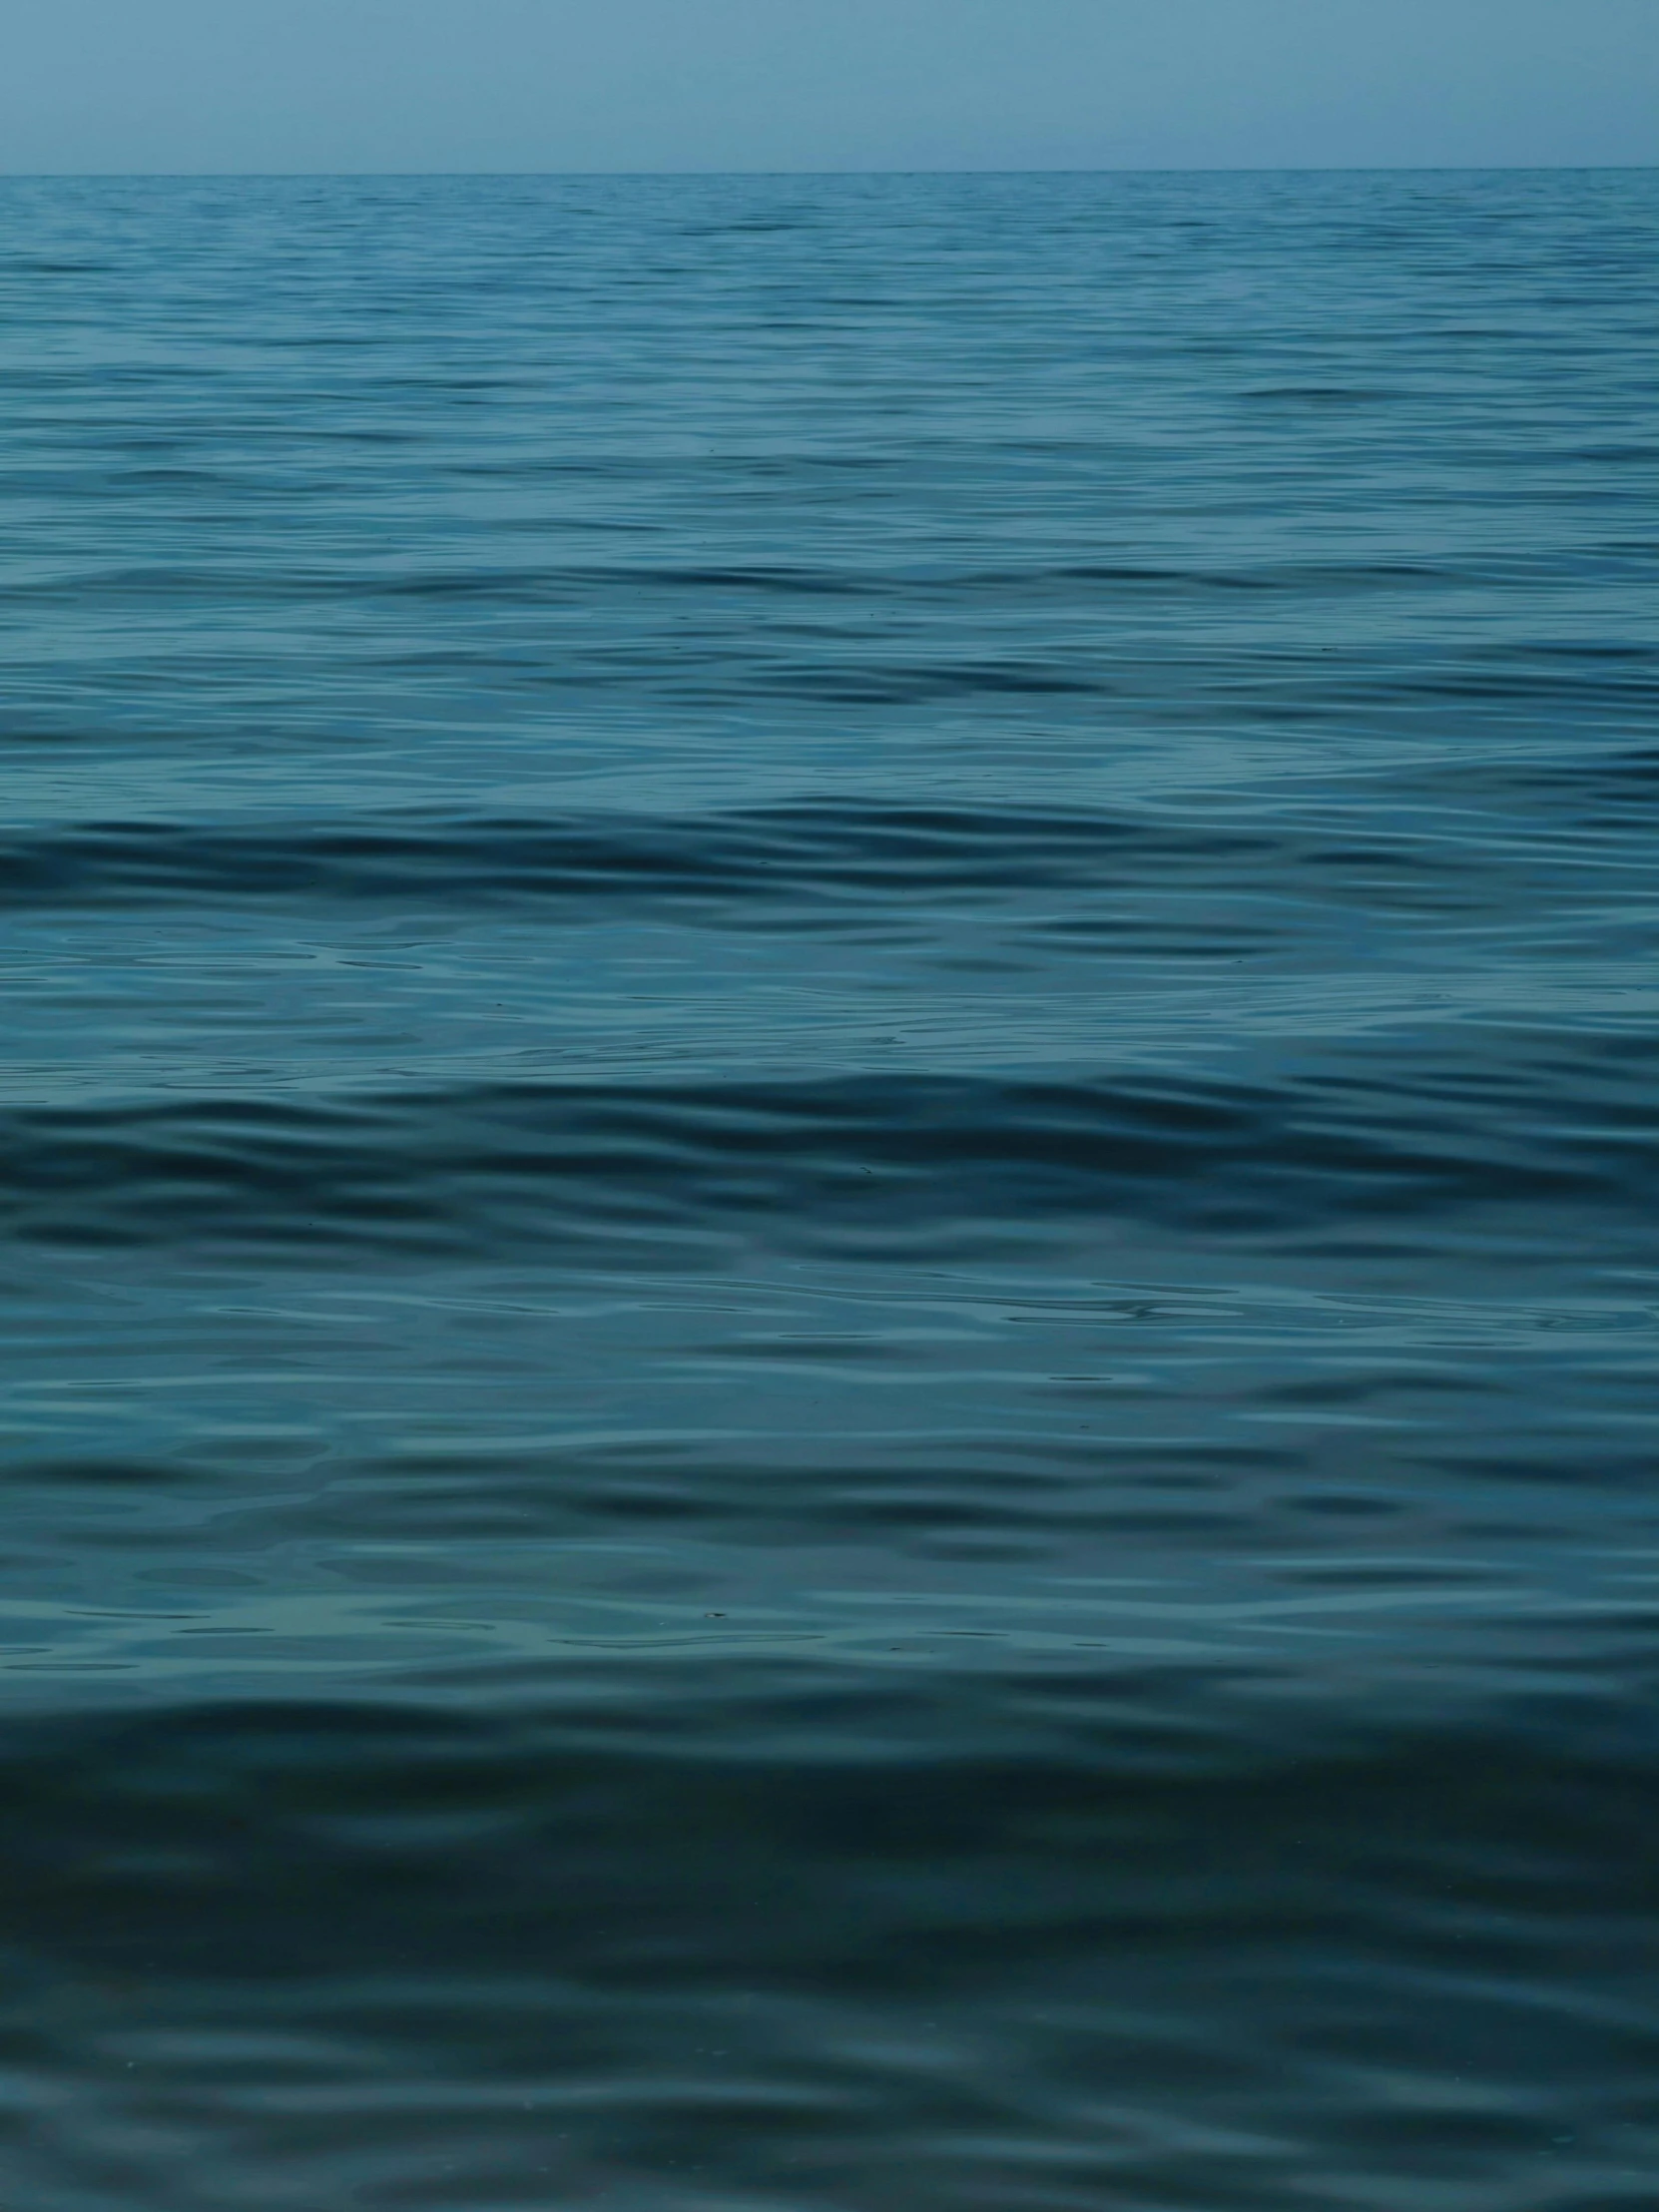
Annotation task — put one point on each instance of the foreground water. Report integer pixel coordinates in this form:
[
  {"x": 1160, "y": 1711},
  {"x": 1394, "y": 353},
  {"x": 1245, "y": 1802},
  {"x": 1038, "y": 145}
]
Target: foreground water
[{"x": 829, "y": 1174}]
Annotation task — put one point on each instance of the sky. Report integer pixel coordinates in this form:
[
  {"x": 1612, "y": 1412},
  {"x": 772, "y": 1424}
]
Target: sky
[{"x": 213, "y": 86}]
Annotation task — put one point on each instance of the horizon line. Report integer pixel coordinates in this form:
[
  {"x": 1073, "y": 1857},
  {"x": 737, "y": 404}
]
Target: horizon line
[{"x": 1054, "y": 169}]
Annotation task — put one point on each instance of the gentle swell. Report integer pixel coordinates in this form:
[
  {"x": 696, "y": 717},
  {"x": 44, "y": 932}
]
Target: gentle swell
[{"x": 516, "y": 1164}]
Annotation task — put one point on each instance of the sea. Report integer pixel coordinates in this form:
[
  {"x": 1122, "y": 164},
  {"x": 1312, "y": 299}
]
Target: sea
[{"x": 829, "y": 1179}]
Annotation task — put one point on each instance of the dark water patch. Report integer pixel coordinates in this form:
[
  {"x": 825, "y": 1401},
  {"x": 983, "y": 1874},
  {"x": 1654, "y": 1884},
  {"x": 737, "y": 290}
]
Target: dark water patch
[
  {"x": 611, "y": 1962},
  {"x": 890, "y": 592},
  {"x": 1615, "y": 792},
  {"x": 1325, "y": 394},
  {"x": 801, "y": 862},
  {"x": 789, "y": 856},
  {"x": 782, "y": 1775},
  {"x": 853, "y": 1159}
]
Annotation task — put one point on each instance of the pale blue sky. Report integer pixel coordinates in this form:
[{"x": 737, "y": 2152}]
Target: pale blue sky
[{"x": 231, "y": 85}]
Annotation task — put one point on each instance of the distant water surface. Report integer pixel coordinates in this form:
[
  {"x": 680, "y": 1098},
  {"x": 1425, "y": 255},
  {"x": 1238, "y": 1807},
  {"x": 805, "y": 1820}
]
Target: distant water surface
[{"x": 830, "y": 1180}]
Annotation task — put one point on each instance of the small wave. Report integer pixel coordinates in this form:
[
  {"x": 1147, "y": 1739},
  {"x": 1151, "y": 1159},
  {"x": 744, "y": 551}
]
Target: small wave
[
  {"x": 871, "y": 1161},
  {"x": 790, "y": 855}
]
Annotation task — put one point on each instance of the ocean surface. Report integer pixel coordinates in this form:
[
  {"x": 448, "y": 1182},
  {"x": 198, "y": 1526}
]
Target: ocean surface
[{"x": 830, "y": 1162}]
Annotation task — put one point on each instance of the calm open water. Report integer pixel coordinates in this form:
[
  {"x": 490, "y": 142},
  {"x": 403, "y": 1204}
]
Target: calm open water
[{"x": 828, "y": 1168}]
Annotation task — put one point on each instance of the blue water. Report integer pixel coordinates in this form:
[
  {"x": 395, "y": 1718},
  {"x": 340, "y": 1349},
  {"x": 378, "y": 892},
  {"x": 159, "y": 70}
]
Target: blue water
[{"x": 828, "y": 1171}]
